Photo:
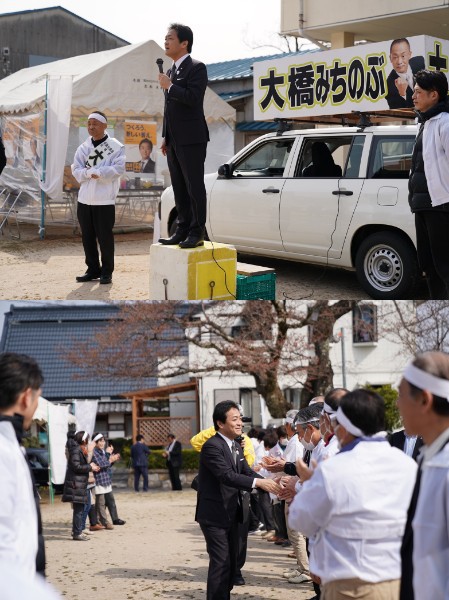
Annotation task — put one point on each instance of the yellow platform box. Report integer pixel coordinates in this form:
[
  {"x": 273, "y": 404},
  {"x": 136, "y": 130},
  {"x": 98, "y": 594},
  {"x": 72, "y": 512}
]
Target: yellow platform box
[{"x": 205, "y": 273}]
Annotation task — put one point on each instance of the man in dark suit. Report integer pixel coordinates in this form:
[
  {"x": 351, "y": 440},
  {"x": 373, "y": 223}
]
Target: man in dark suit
[
  {"x": 145, "y": 149},
  {"x": 173, "y": 454},
  {"x": 139, "y": 456},
  {"x": 401, "y": 80},
  {"x": 223, "y": 474},
  {"x": 410, "y": 444},
  {"x": 185, "y": 136}
]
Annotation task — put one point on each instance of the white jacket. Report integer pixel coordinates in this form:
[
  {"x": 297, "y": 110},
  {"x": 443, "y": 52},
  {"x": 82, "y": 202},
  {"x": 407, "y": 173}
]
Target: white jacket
[
  {"x": 436, "y": 157},
  {"x": 431, "y": 531},
  {"x": 354, "y": 509},
  {"x": 100, "y": 191},
  {"x": 18, "y": 517}
]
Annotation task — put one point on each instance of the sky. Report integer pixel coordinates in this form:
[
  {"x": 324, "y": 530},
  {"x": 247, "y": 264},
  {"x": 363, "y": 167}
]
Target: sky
[{"x": 222, "y": 30}]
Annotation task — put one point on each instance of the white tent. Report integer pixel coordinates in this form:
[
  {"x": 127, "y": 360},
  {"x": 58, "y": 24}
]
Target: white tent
[{"x": 122, "y": 82}]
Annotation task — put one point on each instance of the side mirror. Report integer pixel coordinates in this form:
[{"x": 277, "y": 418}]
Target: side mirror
[{"x": 225, "y": 171}]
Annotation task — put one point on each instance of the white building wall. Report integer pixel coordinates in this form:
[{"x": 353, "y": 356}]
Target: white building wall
[{"x": 375, "y": 363}]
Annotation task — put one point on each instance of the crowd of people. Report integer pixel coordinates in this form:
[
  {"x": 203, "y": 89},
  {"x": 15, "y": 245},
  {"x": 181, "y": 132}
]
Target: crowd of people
[
  {"x": 363, "y": 514},
  {"x": 361, "y": 517},
  {"x": 88, "y": 484}
]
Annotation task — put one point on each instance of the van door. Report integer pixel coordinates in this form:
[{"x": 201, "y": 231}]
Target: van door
[
  {"x": 319, "y": 201},
  {"x": 244, "y": 209}
]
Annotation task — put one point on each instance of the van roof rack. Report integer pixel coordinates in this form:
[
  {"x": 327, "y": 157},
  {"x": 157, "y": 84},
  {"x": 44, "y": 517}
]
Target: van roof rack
[
  {"x": 283, "y": 125},
  {"x": 364, "y": 119}
]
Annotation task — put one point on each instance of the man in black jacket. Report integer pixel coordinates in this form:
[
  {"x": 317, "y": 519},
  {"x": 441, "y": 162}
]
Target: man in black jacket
[
  {"x": 139, "y": 456},
  {"x": 223, "y": 473},
  {"x": 185, "y": 136},
  {"x": 20, "y": 383},
  {"x": 173, "y": 454},
  {"x": 429, "y": 181}
]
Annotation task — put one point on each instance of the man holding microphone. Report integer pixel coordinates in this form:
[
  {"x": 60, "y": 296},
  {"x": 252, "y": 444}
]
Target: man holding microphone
[{"x": 185, "y": 136}]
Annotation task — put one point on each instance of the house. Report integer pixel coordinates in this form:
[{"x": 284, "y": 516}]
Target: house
[
  {"x": 232, "y": 80},
  {"x": 46, "y": 332},
  {"x": 343, "y": 25},
  {"x": 34, "y": 37},
  {"x": 361, "y": 353}
]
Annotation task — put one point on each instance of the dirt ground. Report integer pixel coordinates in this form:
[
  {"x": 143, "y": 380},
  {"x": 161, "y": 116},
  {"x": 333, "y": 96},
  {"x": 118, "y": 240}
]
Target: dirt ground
[
  {"x": 159, "y": 553},
  {"x": 35, "y": 269}
]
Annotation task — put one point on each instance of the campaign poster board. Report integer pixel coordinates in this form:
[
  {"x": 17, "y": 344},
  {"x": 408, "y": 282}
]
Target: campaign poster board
[
  {"x": 365, "y": 78},
  {"x": 140, "y": 139}
]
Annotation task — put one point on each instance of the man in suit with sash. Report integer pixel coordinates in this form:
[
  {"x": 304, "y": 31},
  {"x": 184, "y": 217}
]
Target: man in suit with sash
[
  {"x": 223, "y": 474},
  {"x": 185, "y": 136}
]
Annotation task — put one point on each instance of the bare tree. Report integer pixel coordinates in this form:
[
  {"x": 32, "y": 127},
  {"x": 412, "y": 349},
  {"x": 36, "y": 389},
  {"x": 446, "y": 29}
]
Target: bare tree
[
  {"x": 418, "y": 326},
  {"x": 269, "y": 340}
]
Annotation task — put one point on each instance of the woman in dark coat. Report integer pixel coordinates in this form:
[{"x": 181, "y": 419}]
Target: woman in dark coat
[{"x": 75, "y": 484}]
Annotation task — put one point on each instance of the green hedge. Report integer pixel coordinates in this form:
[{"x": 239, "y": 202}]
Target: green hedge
[{"x": 190, "y": 458}]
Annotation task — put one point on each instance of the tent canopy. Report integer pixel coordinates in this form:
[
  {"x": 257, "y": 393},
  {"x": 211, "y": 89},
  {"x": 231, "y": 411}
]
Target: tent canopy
[{"x": 122, "y": 81}]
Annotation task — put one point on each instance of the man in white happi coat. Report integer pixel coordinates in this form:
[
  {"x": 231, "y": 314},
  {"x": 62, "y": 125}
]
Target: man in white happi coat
[
  {"x": 424, "y": 406},
  {"x": 353, "y": 509},
  {"x": 98, "y": 165}
]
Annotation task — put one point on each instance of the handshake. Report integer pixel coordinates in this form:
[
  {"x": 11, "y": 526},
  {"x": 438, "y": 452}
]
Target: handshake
[{"x": 269, "y": 485}]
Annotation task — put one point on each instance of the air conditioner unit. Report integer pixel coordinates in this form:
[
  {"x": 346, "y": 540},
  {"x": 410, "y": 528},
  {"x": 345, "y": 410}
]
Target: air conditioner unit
[{"x": 5, "y": 51}]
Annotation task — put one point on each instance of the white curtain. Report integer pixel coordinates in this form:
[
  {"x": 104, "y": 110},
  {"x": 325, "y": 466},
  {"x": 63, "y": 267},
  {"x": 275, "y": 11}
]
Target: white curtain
[
  {"x": 58, "y": 416},
  {"x": 85, "y": 414},
  {"x": 59, "y": 103}
]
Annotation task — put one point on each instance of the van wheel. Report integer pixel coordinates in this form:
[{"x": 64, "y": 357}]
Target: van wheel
[{"x": 386, "y": 266}]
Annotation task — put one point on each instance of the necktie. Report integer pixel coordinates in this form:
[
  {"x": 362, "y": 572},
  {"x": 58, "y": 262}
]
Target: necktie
[
  {"x": 142, "y": 166},
  {"x": 234, "y": 452},
  {"x": 173, "y": 72}
]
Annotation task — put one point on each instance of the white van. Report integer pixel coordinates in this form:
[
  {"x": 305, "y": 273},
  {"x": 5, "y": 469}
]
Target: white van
[{"x": 334, "y": 196}]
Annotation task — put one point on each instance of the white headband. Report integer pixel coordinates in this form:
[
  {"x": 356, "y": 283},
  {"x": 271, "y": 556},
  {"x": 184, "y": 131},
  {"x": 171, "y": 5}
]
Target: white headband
[
  {"x": 350, "y": 428},
  {"x": 288, "y": 420},
  {"x": 328, "y": 410},
  {"x": 426, "y": 381},
  {"x": 97, "y": 116},
  {"x": 99, "y": 436},
  {"x": 85, "y": 436}
]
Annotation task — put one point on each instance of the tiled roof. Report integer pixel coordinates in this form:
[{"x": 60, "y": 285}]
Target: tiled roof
[
  {"x": 44, "y": 332},
  {"x": 241, "y": 68}
]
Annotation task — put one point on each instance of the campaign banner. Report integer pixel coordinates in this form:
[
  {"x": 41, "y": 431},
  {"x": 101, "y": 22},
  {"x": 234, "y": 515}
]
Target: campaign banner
[
  {"x": 366, "y": 78},
  {"x": 141, "y": 146},
  {"x": 102, "y": 152}
]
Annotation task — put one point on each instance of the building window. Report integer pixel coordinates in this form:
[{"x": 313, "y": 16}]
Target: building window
[{"x": 364, "y": 324}]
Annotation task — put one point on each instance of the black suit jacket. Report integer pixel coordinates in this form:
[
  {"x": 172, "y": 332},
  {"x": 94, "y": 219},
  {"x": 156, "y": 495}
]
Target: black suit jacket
[
  {"x": 397, "y": 440},
  {"x": 393, "y": 98},
  {"x": 220, "y": 482},
  {"x": 149, "y": 167},
  {"x": 176, "y": 455},
  {"x": 184, "y": 121}
]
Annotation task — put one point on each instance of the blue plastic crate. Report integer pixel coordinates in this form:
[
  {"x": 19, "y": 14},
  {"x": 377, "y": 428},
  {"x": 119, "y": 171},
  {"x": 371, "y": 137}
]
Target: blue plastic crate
[{"x": 256, "y": 287}]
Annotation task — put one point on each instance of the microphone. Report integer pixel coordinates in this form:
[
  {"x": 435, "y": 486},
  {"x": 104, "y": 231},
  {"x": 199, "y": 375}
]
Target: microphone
[{"x": 160, "y": 63}]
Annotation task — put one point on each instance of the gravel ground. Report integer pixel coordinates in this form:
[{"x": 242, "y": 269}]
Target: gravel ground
[
  {"x": 159, "y": 553},
  {"x": 34, "y": 269}
]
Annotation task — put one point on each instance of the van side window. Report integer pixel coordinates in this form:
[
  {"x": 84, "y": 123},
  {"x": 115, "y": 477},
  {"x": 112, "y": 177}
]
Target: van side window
[
  {"x": 390, "y": 157},
  {"x": 267, "y": 160},
  {"x": 323, "y": 156}
]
